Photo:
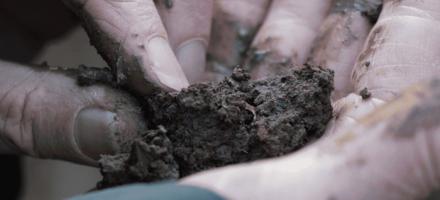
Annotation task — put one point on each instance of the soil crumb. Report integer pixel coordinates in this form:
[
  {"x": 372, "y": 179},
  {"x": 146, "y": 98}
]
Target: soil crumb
[
  {"x": 219, "y": 123},
  {"x": 169, "y": 4},
  {"x": 365, "y": 94}
]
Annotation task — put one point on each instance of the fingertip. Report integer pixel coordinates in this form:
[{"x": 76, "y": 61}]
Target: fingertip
[
  {"x": 95, "y": 131},
  {"x": 286, "y": 35},
  {"x": 106, "y": 128},
  {"x": 192, "y": 58},
  {"x": 164, "y": 65},
  {"x": 188, "y": 24}
]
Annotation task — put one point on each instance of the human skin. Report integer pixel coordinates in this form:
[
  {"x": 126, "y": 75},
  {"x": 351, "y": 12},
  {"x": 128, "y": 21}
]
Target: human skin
[
  {"x": 350, "y": 28},
  {"x": 372, "y": 150},
  {"x": 392, "y": 153},
  {"x": 381, "y": 51},
  {"x": 132, "y": 37},
  {"x": 281, "y": 32},
  {"x": 46, "y": 115}
]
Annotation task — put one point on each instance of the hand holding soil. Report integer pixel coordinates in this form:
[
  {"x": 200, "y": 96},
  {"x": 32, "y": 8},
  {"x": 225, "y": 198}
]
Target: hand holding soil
[
  {"x": 380, "y": 144},
  {"x": 372, "y": 150},
  {"x": 149, "y": 43}
]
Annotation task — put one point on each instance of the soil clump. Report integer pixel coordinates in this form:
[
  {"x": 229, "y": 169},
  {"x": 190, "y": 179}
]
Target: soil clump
[{"x": 214, "y": 124}]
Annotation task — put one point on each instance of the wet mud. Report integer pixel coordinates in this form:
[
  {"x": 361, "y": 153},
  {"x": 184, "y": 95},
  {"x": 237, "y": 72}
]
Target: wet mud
[{"x": 214, "y": 124}]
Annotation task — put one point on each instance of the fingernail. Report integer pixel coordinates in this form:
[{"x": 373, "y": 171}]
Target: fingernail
[
  {"x": 165, "y": 66},
  {"x": 95, "y": 131},
  {"x": 192, "y": 57}
]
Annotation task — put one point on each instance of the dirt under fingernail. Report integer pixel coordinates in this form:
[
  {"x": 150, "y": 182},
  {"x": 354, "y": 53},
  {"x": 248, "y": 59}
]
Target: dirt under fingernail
[{"x": 215, "y": 124}]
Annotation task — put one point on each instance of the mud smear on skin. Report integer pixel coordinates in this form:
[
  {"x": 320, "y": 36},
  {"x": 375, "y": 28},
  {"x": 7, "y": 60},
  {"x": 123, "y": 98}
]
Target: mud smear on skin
[
  {"x": 369, "y": 8},
  {"x": 219, "y": 123}
]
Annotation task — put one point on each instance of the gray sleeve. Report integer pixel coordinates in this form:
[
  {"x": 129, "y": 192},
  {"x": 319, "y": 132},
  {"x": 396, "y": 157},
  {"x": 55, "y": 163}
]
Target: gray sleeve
[{"x": 158, "y": 191}]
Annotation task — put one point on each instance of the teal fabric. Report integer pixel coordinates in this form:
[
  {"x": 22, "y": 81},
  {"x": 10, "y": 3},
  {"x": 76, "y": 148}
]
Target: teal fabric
[{"x": 160, "y": 191}]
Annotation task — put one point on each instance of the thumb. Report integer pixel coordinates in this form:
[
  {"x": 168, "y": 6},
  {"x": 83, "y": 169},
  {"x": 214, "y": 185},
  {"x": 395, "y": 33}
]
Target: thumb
[{"x": 45, "y": 114}]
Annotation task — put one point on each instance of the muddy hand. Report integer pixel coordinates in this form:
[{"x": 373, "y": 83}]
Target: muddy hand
[
  {"x": 266, "y": 33},
  {"x": 47, "y": 115},
  {"x": 275, "y": 35},
  {"x": 234, "y": 26},
  {"x": 144, "y": 40},
  {"x": 341, "y": 38},
  {"x": 402, "y": 49},
  {"x": 325, "y": 33},
  {"x": 372, "y": 150},
  {"x": 286, "y": 36}
]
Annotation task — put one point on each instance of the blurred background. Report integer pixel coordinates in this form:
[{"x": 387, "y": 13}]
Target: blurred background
[{"x": 54, "y": 180}]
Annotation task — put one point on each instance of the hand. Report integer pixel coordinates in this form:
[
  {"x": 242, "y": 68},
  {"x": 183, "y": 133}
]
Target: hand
[
  {"x": 138, "y": 39},
  {"x": 391, "y": 153},
  {"x": 47, "y": 115},
  {"x": 283, "y": 33},
  {"x": 279, "y": 32}
]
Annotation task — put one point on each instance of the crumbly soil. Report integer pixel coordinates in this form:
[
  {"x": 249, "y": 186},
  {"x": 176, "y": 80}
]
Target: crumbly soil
[{"x": 219, "y": 123}]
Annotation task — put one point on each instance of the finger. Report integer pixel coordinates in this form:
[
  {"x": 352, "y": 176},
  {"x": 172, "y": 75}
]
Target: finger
[
  {"x": 384, "y": 67},
  {"x": 131, "y": 38},
  {"x": 392, "y": 151},
  {"x": 403, "y": 48},
  {"x": 340, "y": 40},
  {"x": 348, "y": 110},
  {"x": 47, "y": 115},
  {"x": 234, "y": 27},
  {"x": 391, "y": 154},
  {"x": 188, "y": 24},
  {"x": 286, "y": 36}
]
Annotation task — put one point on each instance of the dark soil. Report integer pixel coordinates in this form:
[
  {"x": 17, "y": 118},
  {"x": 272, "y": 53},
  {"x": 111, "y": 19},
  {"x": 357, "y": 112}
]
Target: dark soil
[{"x": 216, "y": 124}]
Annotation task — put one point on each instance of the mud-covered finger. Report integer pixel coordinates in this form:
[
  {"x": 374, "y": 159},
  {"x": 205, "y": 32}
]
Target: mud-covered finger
[
  {"x": 398, "y": 146},
  {"x": 341, "y": 38},
  {"x": 286, "y": 36},
  {"x": 47, "y": 115},
  {"x": 234, "y": 26},
  {"x": 402, "y": 49},
  {"x": 130, "y": 36},
  {"x": 188, "y": 24}
]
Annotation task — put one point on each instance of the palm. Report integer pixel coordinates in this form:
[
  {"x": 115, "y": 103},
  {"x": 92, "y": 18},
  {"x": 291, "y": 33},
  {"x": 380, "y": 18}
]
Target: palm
[{"x": 385, "y": 154}]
